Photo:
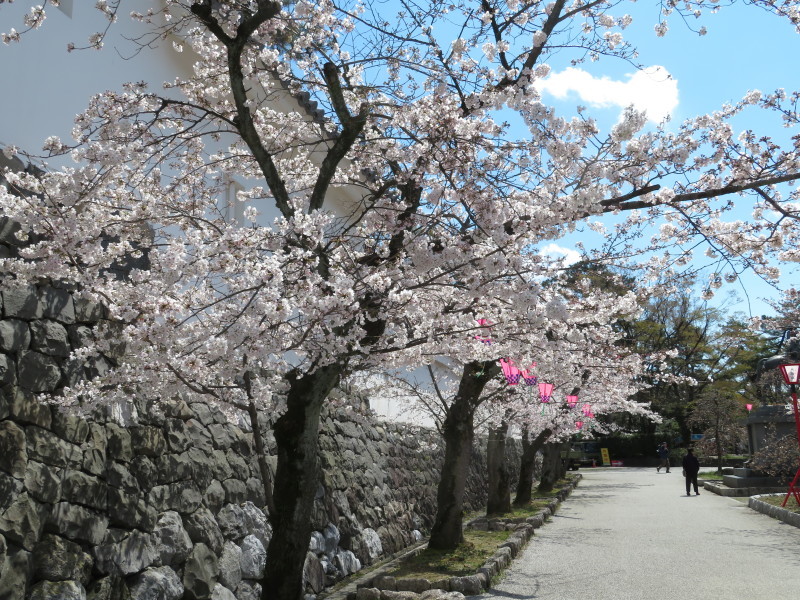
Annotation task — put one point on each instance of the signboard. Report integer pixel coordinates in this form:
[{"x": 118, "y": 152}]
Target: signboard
[
  {"x": 606, "y": 457},
  {"x": 696, "y": 437}
]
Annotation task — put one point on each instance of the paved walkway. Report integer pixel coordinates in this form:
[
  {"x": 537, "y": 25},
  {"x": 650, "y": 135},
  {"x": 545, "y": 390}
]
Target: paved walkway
[{"x": 633, "y": 534}]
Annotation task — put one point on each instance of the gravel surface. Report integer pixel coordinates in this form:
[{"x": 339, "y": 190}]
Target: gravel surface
[{"x": 630, "y": 533}]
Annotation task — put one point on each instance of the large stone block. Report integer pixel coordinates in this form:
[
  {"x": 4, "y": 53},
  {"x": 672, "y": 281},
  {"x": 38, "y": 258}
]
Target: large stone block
[
  {"x": 23, "y": 521},
  {"x": 238, "y": 520},
  {"x": 183, "y": 497},
  {"x": 13, "y": 449},
  {"x": 119, "y": 445},
  {"x": 254, "y": 558},
  {"x": 22, "y": 303},
  {"x": 130, "y": 509},
  {"x": 119, "y": 476},
  {"x": 220, "y": 592},
  {"x": 148, "y": 441},
  {"x": 87, "y": 311},
  {"x": 57, "y": 304},
  {"x": 156, "y": 583},
  {"x": 78, "y": 523},
  {"x": 8, "y": 370},
  {"x": 57, "y": 559},
  {"x": 38, "y": 373},
  {"x": 202, "y": 528},
  {"x": 10, "y": 488},
  {"x": 132, "y": 554},
  {"x": 14, "y": 335},
  {"x": 314, "y": 573},
  {"x": 43, "y": 482},
  {"x": 25, "y": 408},
  {"x": 201, "y": 572},
  {"x": 230, "y": 565},
  {"x": 47, "y": 447},
  {"x": 50, "y": 338},
  {"x": 172, "y": 542},
  {"x": 70, "y": 427},
  {"x": 16, "y": 575},
  {"x": 79, "y": 488}
]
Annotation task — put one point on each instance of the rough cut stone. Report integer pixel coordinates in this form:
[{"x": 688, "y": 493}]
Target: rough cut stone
[
  {"x": 22, "y": 303},
  {"x": 183, "y": 497},
  {"x": 347, "y": 562},
  {"x": 156, "y": 583},
  {"x": 332, "y": 537},
  {"x": 13, "y": 449},
  {"x": 80, "y": 488},
  {"x": 38, "y": 373},
  {"x": 171, "y": 540},
  {"x": 58, "y": 590},
  {"x": 215, "y": 496},
  {"x": 112, "y": 587},
  {"x": 254, "y": 558},
  {"x": 14, "y": 335},
  {"x": 230, "y": 565},
  {"x": 17, "y": 573},
  {"x": 118, "y": 446},
  {"x": 248, "y": 590},
  {"x": 317, "y": 543},
  {"x": 8, "y": 370},
  {"x": 72, "y": 428},
  {"x": 200, "y": 573},
  {"x": 25, "y": 408},
  {"x": 371, "y": 543},
  {"x": 235, "y": 491},
  {"x": 413, "y": 584},
  {"x": 87, "y": 311},
  {"x": 314, "y": 573},
  {"x": 129, "y": 509},
  {"x": 368, "y": 594},
  {"x": 50, "y": 338},
  {"x": 134, "y": 553},
  {"x": 148, "y": 441},
  {"x": 78, "y": 523},
  {"x": 203, "y": 528},
  {"x": 22, "y": 522},
  {"x": 222, "y": 593},
  {"x": 57, "y": 559},
  {"x": 45, "y": 446}
]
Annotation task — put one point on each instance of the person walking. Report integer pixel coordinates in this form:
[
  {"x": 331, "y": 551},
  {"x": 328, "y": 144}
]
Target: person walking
[
  {"x": 663, "y": 456},
  {"x": 690, "y": 468}
]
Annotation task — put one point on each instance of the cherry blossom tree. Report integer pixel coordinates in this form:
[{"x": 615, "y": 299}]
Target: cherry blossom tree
[{"x": 445, "y": 199}]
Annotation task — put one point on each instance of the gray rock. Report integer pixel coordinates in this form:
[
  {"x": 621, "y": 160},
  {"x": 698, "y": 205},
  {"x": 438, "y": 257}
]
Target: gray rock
[
  {"x": 183, "y": 497},
  {"x": 148, "y": 441},
  {"x": 79, "y": 488},
  {"x": 317, "y": 543},
  {"x": 22, "y": 303},
  {"x": 112, "y": 587},
  {"x": 87, "y": 311},
  {"x": 171, "y": 540},
  {"x": 368, "y": 594},
  {"x": 413, "y": 584},
  {"x": 25, "y": 408},
  {"x": 57, "y": 559},
  {"x": 57, "y": 304},
  {"x": 235, "y": 491},
  {"x": 203, "y": 528},
  {"x": 119, "y": 476},
  {"x": 470, "y": 585},
  {"x": 371, "y": 543},
  {"x": 254, "y": 558},
  {"x": 347, "y": 562},
  {"x": 118, "y": 445},
  {"x": 58, "y": 590},
  {"x": 22, "y": 522},
  {"x": 80, "y": 335},
  {"x": 332, "y": 537},
  {"x": 134, "y": 553},
  {"x": 50, "y": 338},
  {"x": 16, "y": 575},
  {"x": 71, "y": 428},
  {"x": 8, "y": 370},
  {"x": 156, "y": 583},
  {"x": 173, "y": 467},
  {"x": 38, "y": 373},
  {"x": 44, "y": 446},
  {"x": 78, "y": 523},
  {"x": 13, "y": 449},
  {"x": 222, "y": 593},
  {"x": 230, "y": 565},
  {"x": 215, "y": 496},
  {"x": 248, "y": 590},
  {"x": 314, "y": 573},
  {"x": 130, "y": 509},
  {"x": 200, "y": 573},
  {"x": 202, "y": 413},
  {"x": 441, "y": 595}
]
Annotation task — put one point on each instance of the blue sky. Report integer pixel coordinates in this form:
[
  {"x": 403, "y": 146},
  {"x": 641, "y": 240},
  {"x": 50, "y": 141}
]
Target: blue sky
[{"x": 745, "y": 48}]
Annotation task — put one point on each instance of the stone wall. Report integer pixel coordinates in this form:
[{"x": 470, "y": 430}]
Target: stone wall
[{"x": 145, "y": 497}]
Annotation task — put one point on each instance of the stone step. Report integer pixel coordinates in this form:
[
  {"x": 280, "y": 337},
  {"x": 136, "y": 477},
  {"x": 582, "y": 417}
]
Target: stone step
[
  {"x": 736, "y": 481},
  {"x": 741, "y": 492}
]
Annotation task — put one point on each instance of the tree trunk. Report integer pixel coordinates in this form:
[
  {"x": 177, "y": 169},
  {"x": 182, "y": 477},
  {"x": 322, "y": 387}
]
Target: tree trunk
[
  {"x": 457, "y": 430},
  {"x": 550, "y": 468},
  {"x": 296, "y": 480},
  {"x": 499, "y": 493},
  {"x": 527, "y": 465}
]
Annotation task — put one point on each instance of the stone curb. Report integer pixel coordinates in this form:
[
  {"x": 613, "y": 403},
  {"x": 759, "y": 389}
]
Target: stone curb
[
  {"x": 776, "y": 512},
  {"x": 378, "y": 586}
]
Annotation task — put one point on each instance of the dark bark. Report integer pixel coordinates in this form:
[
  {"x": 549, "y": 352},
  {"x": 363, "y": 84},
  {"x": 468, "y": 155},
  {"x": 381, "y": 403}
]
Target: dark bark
[
  {"x": 499, "y": 493},
  {"x": 296, "y": 480},
  {"x": 550, "y": 468},
  {"x": 458, "y": 433},
  {"x": 527, "y": 465}
]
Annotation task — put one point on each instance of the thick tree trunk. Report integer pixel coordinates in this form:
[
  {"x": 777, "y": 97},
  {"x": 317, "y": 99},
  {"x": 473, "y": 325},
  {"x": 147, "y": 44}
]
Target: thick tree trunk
[
  {"x": 550, "y": 468},
  {"x": 499, "y": 493},
  {"x": 296, "y": 480},
  {"x": 528, "y": 464},
  {"x": 458, "y": 433}
]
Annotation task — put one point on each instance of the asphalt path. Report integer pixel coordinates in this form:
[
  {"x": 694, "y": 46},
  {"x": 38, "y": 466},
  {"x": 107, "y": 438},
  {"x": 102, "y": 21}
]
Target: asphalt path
[{"x": 628, "y": 533}]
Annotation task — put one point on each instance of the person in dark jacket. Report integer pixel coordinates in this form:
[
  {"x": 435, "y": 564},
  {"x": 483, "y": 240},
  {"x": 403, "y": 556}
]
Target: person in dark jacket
[
  {"x": 663, "y": 457},
  {"x": 690, "y": 468}
]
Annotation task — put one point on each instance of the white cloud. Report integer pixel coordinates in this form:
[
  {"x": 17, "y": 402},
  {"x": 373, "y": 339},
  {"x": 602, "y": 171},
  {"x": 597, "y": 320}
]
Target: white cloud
[
  {"x": 651, "y": 90},
  {"x": 570, "y": 257}
]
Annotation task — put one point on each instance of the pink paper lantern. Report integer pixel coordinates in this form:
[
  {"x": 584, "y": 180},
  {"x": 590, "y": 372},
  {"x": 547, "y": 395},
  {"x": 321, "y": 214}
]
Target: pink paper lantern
[
  {"x": 749, "y": 407},
  {"x": 484, "y": 339},
  {"x": 528, "y": 376},
  {"x": 510, "y": 371},
  {"x": 572, "y": 400},
  {"x": 578, "y": 424},
  {"x": 545, "y": 391},
  {"x": 587, "y": 410}
]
